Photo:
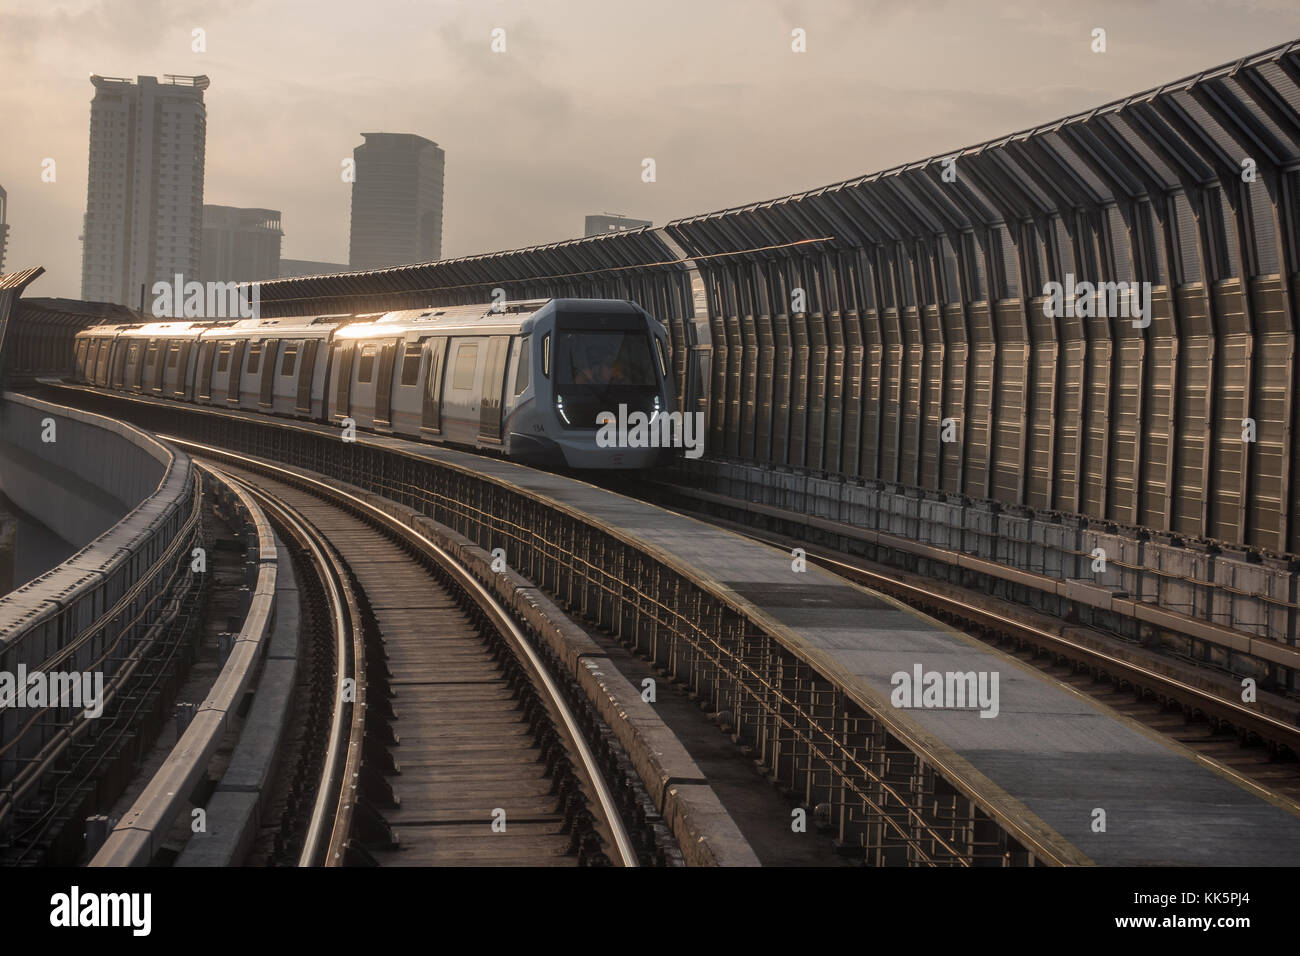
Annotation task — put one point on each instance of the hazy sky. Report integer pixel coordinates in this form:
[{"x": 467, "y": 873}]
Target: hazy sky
[{"x": 557, "y": 126}]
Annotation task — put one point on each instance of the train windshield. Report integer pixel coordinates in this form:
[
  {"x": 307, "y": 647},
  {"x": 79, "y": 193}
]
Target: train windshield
[{"x": 604, "y": 358}]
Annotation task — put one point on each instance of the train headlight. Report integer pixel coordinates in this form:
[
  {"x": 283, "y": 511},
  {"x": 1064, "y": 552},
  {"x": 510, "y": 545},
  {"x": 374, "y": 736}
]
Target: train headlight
[
  {"x": 559, "y": 407},
  {"x": 656, "y": 412}
]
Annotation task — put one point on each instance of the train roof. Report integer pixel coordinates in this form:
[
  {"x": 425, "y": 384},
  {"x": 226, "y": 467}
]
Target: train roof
[
  {"x": 484, "y": 317},
  {"x": 295, "y": 324},
  {"x": 512, "y": 317}
]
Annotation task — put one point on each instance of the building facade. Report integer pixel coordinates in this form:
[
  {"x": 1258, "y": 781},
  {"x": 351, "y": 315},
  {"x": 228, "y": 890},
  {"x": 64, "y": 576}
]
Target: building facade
[
  {"x": 240, "y": 245},
  {"x": 144, "y": 196},
  {"x": 396, "y": 201}
]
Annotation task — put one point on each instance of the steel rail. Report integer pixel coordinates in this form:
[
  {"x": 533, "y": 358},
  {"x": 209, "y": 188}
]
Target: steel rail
[
  {"x": 330, "y": 809},
  {"x": 499, "y": 616}
]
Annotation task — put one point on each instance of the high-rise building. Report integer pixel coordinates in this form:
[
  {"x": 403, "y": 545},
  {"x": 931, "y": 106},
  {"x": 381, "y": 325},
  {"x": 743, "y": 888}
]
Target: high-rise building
[
  {"x": 240, "y": 245},
  {"x": 396, "y": 201},
  {"x": 4, "y": 227},
  {"x": 144, "y": 198},
  {"x": 612, "y": 222}
]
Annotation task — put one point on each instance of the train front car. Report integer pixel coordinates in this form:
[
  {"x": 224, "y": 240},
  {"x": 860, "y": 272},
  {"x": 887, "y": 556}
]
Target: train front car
[{"x": 603, "y": 391}]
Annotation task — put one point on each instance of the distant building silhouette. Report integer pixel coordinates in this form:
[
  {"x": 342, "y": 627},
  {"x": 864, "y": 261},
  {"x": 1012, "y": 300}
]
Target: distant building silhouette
[
  {"x": 144, "y": 199},
  {"x": 308, "y": 267},
  {"x": 608, "y": 222},
  {"x": 240, "y": 245},
  {"x": 396, "y": 201},
  {"x": 4, "y": 227}
]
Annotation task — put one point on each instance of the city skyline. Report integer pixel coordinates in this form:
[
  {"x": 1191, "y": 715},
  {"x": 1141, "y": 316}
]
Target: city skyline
[{"x": 526, "y": 166}]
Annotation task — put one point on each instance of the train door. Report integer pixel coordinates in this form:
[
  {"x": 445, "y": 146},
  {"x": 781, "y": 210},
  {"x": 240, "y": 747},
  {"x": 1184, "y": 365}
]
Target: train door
[
  {"x": 235, "y": 382},
  {"x": 461, "y": 386},
  {"x": 306, "y": 372},
  {"x": 156, "y": 367},
  {"x": 182, "y": 383},
  {"x": 103, "y": 361},
  {"x": 494, "y": 377},
  {"x": 221, "y": 372},
  {"x": 266, "y": 396},
  {"x": 363, "y": 386},
  {"x": 168, "y": 356},
  {"x": 431, "y": 416},
  {"x": 290, "y": 352},
  {"x": 343, "y": 372},
  {"x": 384, "y": 385},
  {"x": 204, "y": 378},
  {"x": 129, "y": 371},
  {"x": 121, "y": 355},
  {"x": 253, "y": 370},
  {"x": 408, "y": 364}
]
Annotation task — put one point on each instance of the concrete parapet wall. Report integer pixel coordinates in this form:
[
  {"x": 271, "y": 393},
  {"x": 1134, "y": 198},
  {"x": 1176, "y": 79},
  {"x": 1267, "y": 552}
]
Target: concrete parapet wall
[
  {"x": 96, "y": 613},
  {"x": 84, "y": 481}
]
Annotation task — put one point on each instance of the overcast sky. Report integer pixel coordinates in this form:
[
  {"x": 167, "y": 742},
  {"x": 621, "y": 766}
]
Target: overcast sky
[{"x": 557, "y": 126}]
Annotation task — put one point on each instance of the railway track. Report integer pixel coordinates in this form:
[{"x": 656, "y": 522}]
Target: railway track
[
  {"x": 1257, "y": 749},
  {"x": 449, "y": 743}
]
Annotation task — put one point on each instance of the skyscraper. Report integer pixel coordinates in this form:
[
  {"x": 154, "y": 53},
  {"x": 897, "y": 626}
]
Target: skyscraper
[
  {"x": 4, "y": 227},
  {"x": 144, "y": 198},
  {"x": 396, "y": 201},
  {"x": 240, "y": 245}
]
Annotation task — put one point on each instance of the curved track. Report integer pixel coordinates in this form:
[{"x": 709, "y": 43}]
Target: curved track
[{"x": 450, "y": 744}]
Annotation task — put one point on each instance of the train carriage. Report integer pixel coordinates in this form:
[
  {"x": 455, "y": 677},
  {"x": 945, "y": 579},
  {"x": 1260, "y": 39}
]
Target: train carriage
[{"x": 527, "y": 380}]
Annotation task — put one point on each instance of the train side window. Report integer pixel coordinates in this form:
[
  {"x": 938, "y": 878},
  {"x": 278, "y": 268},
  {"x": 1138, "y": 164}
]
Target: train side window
[
  {"x": 366, "y": 367},
  {"x": 466, "y": 361},
  {"x": 411, "y": 362},
  {"x": 546, "y": 354},
  {"x": 290, "y": 361},
  {"x": 524, "y": 360},
  {"x": 254, "y": 357},
  {"x": 223, "y": 358}
]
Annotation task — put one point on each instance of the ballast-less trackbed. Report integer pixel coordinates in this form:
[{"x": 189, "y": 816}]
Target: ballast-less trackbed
[
  {"x": 450, "y": 744},
  {"x": 1162, "y": 702}
]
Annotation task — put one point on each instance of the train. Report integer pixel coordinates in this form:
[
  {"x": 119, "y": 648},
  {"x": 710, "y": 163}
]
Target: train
[{"x": 531, "y": 381}]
